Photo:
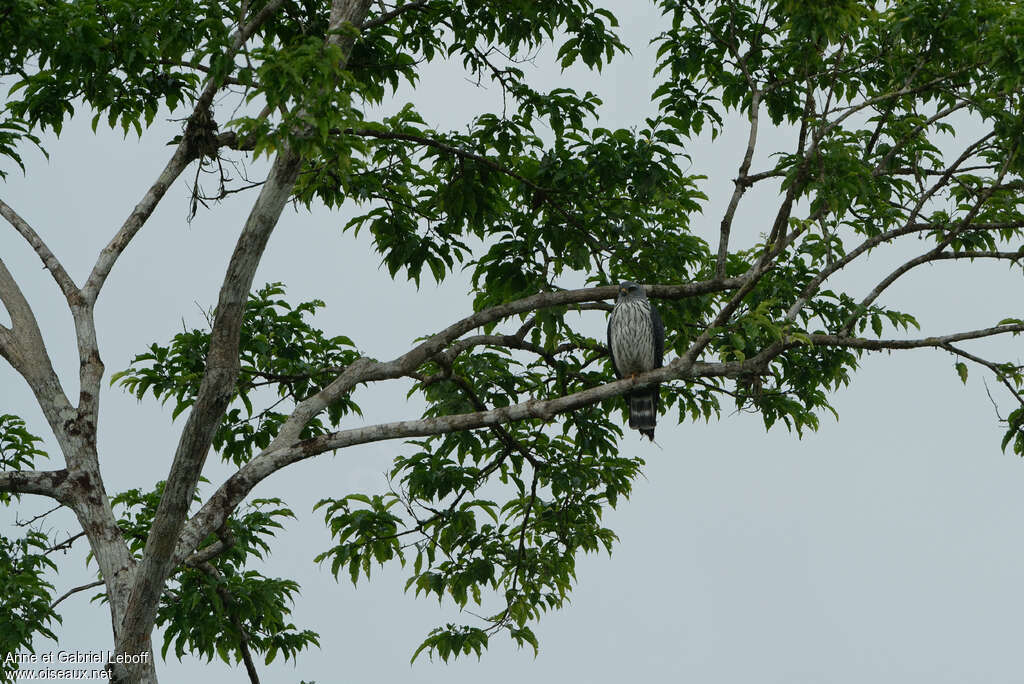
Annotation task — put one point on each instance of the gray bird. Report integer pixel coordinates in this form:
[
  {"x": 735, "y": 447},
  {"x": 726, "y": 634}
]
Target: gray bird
[{"x": 636, "y": 339}]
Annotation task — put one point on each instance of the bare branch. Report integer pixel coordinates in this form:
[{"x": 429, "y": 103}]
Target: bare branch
[
  {"x": 741, "y": 186},
  {"x": 439, "y": 341},
  {"x": 1000, "y": 374},
  {"x": 69, "y": 592},
  {"x": 213, "y": 514},
  {"x": 51, "y": 483},
  {"x": 53, "y": 265},
  {"x": 131, "y": 226},
  {"x": 35, "y": 518},
  {"x": 183, "y": 154},
  {"x": 66, "y": 544},
  {"x": 365, "y": 370}
]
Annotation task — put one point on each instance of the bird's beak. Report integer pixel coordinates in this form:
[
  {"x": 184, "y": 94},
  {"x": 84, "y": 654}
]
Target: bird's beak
[{"x": 622, "y": 290}]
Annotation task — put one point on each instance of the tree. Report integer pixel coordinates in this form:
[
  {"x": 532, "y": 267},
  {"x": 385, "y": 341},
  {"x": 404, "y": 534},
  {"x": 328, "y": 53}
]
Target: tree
[{"x": 504, "y": 477}]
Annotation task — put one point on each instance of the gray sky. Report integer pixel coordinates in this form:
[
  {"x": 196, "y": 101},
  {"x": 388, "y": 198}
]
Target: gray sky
[{"x": 883, "y": 548}]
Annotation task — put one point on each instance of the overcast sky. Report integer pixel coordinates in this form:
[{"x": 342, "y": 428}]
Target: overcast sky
[{"x": 883, "y": 548}]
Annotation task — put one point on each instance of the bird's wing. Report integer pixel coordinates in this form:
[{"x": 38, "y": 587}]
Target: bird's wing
[
  {"x": 611, "y": 352},
  {"x": 658, "y": 328}
]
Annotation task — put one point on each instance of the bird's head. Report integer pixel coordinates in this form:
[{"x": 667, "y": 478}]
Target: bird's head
[{"x": 630, "y": 290}]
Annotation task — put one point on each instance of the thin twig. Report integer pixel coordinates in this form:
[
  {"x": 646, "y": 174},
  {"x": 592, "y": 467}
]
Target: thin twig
[
  {"x": 69, "y": 592},
  {"x": 26, "y": 523}
]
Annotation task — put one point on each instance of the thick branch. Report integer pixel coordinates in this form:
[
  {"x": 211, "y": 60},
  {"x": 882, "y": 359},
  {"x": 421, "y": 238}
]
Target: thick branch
[
  {"x": 442, "y": 339},
  {"x": 222, "y": 367},
  {"x": 51, "y": 483},
  {"x": 365, "y": 370}
]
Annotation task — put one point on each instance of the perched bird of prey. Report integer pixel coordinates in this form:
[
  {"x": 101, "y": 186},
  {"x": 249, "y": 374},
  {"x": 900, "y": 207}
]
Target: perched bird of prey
[{"x": 636, "y": 338}]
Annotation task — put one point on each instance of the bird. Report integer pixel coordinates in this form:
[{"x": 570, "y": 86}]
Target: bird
[{"x": 636, "y": 340}]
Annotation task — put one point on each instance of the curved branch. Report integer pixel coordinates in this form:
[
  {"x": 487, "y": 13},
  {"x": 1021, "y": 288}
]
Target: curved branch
[{"x": 544, "y": 300}]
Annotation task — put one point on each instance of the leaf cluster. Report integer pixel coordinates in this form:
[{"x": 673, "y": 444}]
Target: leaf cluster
[
  {"x": 25, "y": 596},
  {"x": 284, "y": 360},
  {"x": 18, "y": 448}
]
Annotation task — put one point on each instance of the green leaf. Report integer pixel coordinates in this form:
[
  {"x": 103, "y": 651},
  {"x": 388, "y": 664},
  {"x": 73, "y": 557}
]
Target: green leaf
[{"x": 961, "y": 369}]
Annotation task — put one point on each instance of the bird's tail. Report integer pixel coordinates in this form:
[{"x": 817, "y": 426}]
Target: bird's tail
[{"x": 643, "y": 412}]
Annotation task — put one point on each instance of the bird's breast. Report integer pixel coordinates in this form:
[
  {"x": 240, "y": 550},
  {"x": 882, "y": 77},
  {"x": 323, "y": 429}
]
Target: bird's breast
[{"x": 632, "y": 337}]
